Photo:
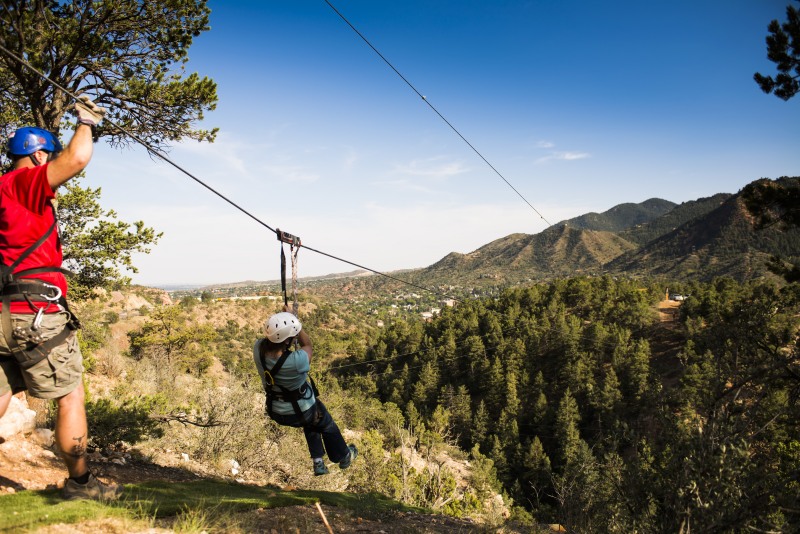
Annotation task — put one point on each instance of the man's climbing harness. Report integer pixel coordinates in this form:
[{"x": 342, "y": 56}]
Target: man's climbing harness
[
  {"x": 15, "y": 288},
  {"x": 294, "y": 247}
]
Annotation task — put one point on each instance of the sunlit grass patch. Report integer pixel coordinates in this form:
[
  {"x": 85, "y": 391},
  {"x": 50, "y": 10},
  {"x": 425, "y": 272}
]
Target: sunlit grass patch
[
  {"x": 195, "y": 506},
  {"x": 27, "y": 509}
]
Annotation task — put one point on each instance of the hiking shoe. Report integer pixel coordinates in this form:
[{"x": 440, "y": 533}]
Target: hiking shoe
[
  {"x": 351, "y": 455},
  {"x": 94, "y": 489},
  {"x": 320, "y": 468}
]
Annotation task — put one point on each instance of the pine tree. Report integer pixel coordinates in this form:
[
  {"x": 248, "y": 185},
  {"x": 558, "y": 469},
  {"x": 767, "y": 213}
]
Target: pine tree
[
  {"x": 536, "y": 472},
  {"x": 609, "y": 400},
  {"x": 495, "y": 384},
  {"x": 461, "y": 416},
  {"x": 474, "y": 353},
  {"x": 424, "y": 391},
  {"x": 566, "y": 430},
  {"x": 480, "y": 426},
  {"x": 491, "y": 331},
  {"x": 498, "y": 455},
  {"x": 783, "y": 48}
]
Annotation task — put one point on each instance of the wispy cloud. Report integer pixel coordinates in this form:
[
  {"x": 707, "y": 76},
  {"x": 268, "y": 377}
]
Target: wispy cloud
[
  {"x": 431, "y": 168},
  {"x": 563, "y": 156},
  {"x": 406, "y": 185},
  {"x": 227, "y": 151},
  {"x": 290, "y": 173},
  {"x": 560, "y": 155},
  {"x": 350, "y": 158}
]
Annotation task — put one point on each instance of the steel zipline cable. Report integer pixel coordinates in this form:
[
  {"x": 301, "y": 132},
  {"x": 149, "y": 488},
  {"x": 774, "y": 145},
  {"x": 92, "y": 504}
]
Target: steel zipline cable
[
  {"x": 425, "y": 99},
  {"x": 163, "y": 157},
  {"x": 154, "y": 151}
]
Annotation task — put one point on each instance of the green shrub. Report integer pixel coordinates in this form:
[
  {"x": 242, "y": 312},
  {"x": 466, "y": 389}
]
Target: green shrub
[{"x": 129, "y": 421}]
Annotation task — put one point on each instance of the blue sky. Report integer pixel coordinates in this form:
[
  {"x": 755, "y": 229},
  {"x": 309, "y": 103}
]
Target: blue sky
[{"x": 579, "y": 105}]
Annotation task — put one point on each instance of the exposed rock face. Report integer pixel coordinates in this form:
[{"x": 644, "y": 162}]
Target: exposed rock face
[{"x": 18, "y": 419}]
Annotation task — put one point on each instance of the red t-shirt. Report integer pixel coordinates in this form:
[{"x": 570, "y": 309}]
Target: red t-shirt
[{"x": 25, "y": 216}]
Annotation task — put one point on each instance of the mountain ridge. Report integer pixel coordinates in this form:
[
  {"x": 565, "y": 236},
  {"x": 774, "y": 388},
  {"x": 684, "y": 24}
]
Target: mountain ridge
[
  {"x": 697, "y": 239},
  {"x": 621, "y": 216},
  {"x": 700, "y": 239}
]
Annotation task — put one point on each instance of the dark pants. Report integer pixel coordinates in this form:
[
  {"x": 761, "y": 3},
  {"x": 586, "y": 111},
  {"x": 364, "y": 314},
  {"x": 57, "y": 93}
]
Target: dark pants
[{"x": 320, "y": 429}]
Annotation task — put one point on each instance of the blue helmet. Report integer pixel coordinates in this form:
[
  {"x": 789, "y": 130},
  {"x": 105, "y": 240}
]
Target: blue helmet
[{"x": 29, "y": 139}]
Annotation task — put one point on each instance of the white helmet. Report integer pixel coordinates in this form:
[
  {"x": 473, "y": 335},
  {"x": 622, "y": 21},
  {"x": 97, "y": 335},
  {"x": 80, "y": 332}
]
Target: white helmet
[{"x": 281, "y": 327}]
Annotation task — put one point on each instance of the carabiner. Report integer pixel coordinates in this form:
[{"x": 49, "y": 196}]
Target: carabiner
[
  {"x": 57, "y": 295},
  {"x": 37, "y": 320}
]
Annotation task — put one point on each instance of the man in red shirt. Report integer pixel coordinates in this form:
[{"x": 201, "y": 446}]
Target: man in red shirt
[{"x": 39, "y": 351}]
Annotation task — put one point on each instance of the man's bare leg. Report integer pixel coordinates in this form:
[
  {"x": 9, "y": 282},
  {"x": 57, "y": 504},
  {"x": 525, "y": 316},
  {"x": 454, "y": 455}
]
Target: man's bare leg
[
  {"x": 72, "y": 431},
  {"x": 5, "y": 400}
]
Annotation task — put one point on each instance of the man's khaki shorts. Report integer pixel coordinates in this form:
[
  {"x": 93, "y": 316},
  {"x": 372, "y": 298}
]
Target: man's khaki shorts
[{"x": 54, "y": 376}]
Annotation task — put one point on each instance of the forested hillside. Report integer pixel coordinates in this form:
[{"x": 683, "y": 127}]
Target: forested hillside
[
  {"x": 679, "y": 215},
  {"x": 622, "y": 216},
  {"x": 171, "y": 380},
  {"x": 554, "y": 252},
  {"x": 723, "y": 242},
  {"x": 601, "y": 417}
]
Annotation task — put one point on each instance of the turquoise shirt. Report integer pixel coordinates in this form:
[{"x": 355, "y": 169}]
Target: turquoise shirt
[{"x": 292, "y": 375}]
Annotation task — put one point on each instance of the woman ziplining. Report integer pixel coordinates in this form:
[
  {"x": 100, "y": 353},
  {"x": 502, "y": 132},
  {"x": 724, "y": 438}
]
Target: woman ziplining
[{"x": 292, "y": 398}]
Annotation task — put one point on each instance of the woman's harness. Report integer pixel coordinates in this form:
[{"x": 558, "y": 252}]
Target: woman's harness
[
  {"x": 276, "y": 391},
  {"x": 280, "y": 393},
  {"x": 13, "y": 288}
]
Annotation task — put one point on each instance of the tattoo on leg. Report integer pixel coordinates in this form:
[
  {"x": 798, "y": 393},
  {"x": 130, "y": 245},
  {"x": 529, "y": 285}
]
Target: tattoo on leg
[{"x": 79, "y": 449}]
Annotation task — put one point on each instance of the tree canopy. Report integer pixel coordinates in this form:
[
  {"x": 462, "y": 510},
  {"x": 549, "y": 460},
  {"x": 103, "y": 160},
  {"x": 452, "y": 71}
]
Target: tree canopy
[
  {"x": 127, "y": 55},
  {"x": 783, "y": 49}
]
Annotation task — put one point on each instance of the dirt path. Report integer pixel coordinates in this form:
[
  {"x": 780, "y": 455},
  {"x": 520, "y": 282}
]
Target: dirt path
[
  {"x": 668, "y": 311},
  {"x": 666, "y": 342},
  {"x": 26, "y": 464}
]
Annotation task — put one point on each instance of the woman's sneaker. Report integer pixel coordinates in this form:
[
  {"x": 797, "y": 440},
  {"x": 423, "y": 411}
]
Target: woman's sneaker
[
  {"x": 93, "y": 489},
  {"x": 351, "y": 455},
  {"x": 320, "y": 468}
]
